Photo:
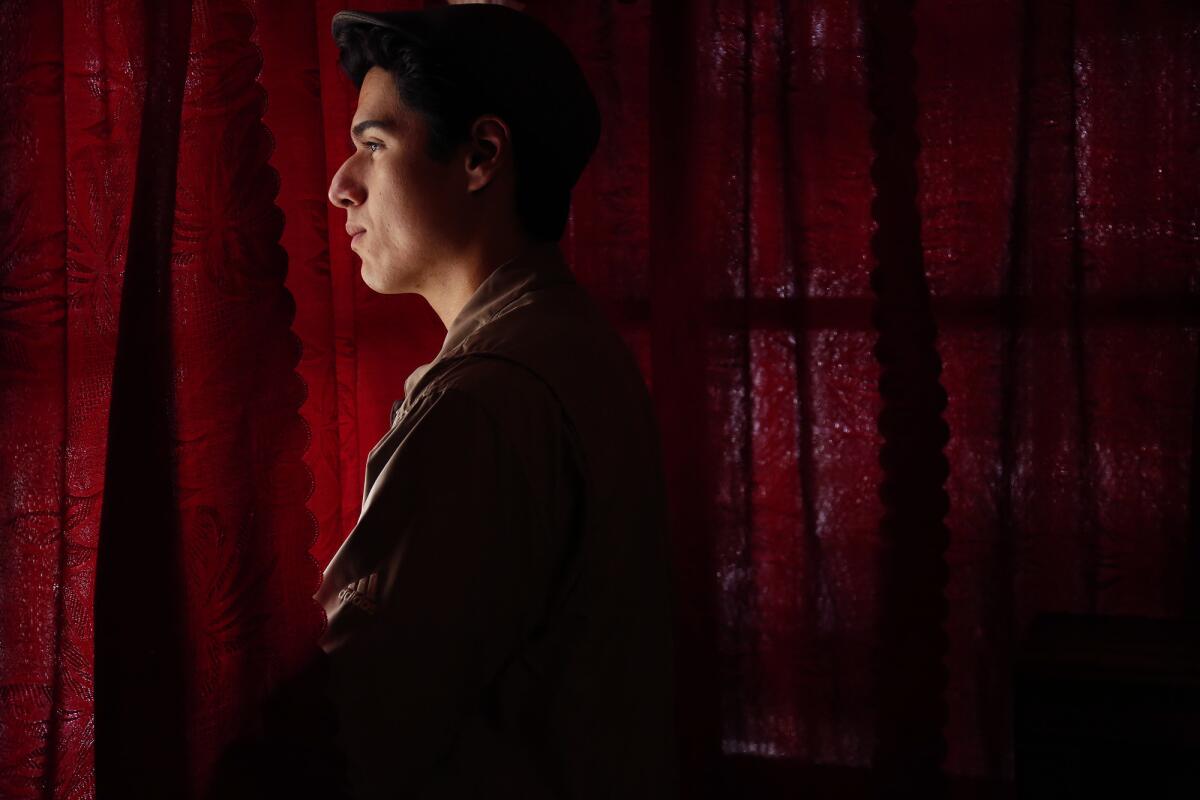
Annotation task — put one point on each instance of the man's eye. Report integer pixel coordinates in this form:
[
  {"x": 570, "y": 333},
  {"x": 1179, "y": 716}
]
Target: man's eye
[{"x": 372, "y": 144}]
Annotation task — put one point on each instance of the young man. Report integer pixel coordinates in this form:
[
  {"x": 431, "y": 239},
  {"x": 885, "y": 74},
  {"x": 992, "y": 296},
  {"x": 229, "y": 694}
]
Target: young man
[{"x": 499, "y": 619}]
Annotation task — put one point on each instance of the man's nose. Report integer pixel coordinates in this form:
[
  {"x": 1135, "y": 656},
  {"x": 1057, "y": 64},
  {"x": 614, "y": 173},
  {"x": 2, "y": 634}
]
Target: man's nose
[{"x": 344, "y": 190}]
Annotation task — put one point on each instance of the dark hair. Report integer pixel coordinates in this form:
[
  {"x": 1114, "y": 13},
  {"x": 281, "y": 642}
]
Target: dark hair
[{"x": 430, "y": 87}]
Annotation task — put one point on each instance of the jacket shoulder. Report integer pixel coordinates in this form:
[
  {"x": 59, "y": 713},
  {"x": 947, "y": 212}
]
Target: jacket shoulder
[
  {"x": 489, "y": 377},
  {"x": 516, "y": 397}
]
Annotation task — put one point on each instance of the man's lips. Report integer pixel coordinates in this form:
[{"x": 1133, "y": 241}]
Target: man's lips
[{"x": 354, "y": 238}]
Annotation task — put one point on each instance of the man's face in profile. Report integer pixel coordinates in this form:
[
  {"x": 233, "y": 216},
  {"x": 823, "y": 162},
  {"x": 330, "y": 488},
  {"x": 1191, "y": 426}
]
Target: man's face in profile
[{"x": 406, "y": 204}]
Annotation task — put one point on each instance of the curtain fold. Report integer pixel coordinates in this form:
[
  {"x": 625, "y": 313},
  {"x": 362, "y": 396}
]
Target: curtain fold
[
  {"x": 142, "y": 572},
  {"x": 192, "y": 371}
]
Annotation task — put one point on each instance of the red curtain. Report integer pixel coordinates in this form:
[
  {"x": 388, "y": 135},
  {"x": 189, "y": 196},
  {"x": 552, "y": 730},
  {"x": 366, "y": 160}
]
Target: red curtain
[{"x": 913, "y": 289}]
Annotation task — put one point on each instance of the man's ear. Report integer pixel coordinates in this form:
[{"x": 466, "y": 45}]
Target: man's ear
[{"x": 489, "y": 147}]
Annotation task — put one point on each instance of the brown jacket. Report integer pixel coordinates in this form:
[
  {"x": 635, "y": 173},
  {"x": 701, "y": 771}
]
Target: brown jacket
[{"x": 500, "y": 616}]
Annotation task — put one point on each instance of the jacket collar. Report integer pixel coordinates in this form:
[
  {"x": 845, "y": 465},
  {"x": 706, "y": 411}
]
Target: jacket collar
[{"x": 540, "y": 266}]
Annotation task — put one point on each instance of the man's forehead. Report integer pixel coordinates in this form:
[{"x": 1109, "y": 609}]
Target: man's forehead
[
  {"x": 362, "y": 123},
  {"x": 377, "y": 101}
]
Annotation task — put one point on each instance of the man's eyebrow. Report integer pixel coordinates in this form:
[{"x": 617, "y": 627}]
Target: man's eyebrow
[{"x": 387, "y": 125}]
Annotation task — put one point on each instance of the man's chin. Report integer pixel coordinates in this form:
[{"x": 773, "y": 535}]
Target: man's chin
[
  {"x": 375, "y": 284},
  {"x": 372, "y": 281}
]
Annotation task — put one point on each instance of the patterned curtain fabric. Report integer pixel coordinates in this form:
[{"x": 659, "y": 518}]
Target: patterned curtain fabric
[{"x": 913, "y": 286}]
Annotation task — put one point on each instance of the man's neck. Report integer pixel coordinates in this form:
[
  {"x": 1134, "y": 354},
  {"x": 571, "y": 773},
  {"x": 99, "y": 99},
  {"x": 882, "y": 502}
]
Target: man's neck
[{"x": 450, "y": 290}]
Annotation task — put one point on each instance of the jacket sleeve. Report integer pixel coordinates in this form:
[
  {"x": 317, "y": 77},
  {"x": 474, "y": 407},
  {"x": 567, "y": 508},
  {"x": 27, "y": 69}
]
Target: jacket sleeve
[{"x": 437, "y": 587}]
